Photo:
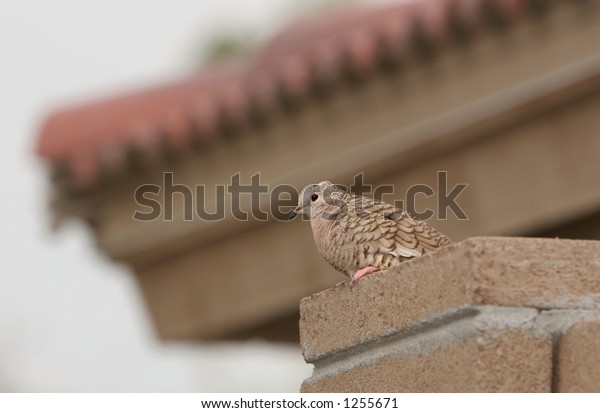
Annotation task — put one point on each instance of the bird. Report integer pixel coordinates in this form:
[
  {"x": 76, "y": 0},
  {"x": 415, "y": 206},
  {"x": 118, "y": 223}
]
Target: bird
[{"x": 358, "y": 235}]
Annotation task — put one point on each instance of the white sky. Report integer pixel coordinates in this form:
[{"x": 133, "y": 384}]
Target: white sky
[{"x": 70, "y": 319}]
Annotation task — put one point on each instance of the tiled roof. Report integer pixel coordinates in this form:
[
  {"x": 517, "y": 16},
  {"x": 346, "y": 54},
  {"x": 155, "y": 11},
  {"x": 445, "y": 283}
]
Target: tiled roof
[{"x": 309, "y": 56}]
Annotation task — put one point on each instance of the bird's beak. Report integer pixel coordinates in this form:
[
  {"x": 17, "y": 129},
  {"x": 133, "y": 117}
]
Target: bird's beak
[{"x": 294, "y": 212}]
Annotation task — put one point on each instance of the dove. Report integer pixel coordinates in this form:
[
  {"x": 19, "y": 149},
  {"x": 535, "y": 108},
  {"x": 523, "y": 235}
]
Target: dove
[{"x": 358, "y": 235}]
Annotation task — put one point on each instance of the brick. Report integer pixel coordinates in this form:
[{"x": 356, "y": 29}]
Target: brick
[
  {"x": 578, "y": 359},
  {"x": 495, "y": 350},
  {"x": 512, "y": 272}
]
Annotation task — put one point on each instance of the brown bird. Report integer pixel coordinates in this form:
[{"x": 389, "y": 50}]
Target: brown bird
[{"x": 358, "y": 235}]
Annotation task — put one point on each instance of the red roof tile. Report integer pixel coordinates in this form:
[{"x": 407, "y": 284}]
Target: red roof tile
[{"x": 92, "y": 138}]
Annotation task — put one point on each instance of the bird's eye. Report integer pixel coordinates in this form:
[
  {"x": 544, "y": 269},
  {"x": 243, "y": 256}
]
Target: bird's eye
[{"x": 314, "y": 197}]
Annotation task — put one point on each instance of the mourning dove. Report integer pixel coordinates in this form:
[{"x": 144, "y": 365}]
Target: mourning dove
[{"x": 358, "y": 235}]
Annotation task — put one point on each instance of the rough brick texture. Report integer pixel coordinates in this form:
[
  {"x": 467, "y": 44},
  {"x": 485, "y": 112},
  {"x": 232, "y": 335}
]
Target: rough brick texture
[
  {"x": 480, "y": 315},
  {"x": 578, "y": 367}
]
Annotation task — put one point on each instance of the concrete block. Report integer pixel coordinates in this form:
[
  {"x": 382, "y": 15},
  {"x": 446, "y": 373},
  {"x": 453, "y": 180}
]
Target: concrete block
[
  {"x": 512, "y": 272},
  {"x": 578, "y": 358}
]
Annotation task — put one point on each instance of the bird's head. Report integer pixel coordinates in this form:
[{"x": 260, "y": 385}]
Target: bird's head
[{"x": 314, "y": 196}]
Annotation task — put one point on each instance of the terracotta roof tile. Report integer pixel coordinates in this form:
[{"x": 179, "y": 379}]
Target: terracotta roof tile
[{"x": 96, "y": 137}]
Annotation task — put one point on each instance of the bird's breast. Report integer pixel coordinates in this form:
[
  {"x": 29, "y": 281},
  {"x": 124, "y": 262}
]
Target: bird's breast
[{"x": 334, "y": 245}]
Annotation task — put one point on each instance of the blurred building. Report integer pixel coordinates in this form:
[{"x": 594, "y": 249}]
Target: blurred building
[{"x": 503, "y": 95}]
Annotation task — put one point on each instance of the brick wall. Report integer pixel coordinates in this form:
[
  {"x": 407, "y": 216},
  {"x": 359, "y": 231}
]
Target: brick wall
[{"x": 485, "y": 314}]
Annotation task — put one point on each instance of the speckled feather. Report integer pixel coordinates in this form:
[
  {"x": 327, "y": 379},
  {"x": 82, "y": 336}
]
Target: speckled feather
[{"x": 365, "y": 232}]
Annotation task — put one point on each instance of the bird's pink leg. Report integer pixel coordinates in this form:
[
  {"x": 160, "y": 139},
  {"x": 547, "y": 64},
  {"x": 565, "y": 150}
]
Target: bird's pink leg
[
  {"x": 362, "y": 272},
  {"x": 358, "y": 274}
]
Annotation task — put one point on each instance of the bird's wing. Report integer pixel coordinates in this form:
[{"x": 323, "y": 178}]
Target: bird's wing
[
  {"x": 425, "y": 237},
  {"x": 388, "y": 229}
]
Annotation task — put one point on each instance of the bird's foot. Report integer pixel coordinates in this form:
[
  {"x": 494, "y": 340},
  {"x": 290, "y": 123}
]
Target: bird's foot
[
  {"x": 362, "y": 272},
  {"x": 357, "y": 275}
]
